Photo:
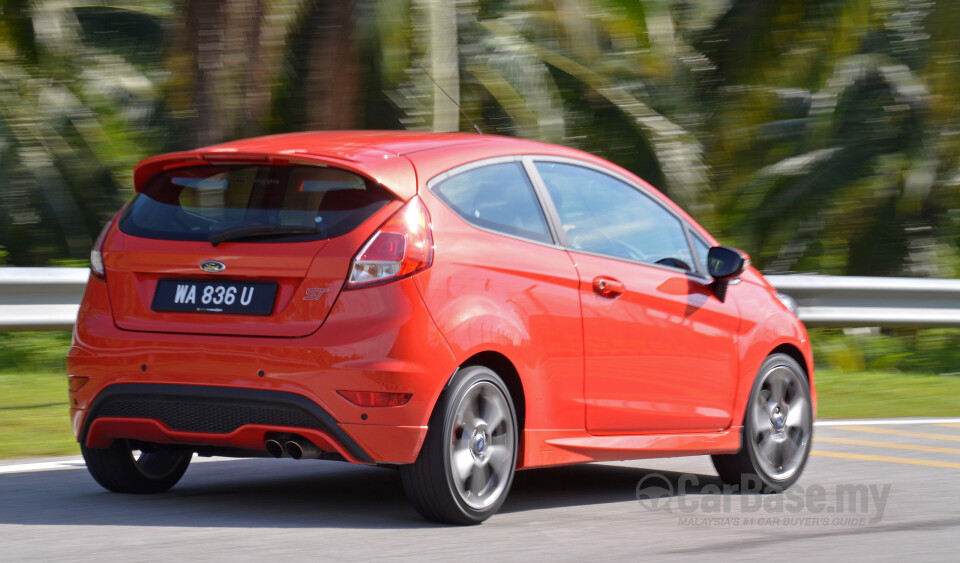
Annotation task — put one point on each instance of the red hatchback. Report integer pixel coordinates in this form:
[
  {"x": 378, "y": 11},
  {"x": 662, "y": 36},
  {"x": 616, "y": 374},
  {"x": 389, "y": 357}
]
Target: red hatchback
[{"x": 458, "y": 306}]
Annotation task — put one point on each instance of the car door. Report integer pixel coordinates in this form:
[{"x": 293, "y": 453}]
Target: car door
[
  {"x": 659, "y": 347},
  {"x": 499, "y": 282}
]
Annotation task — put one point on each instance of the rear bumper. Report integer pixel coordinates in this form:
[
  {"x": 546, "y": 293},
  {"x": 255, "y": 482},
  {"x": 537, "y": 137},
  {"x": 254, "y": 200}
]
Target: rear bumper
[
  {"x": 210, "y": 416},
  {"x": 231, "y": 392}
]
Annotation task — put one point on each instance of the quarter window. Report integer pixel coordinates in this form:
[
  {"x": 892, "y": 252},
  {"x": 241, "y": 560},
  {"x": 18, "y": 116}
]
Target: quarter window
[
  {"x": 498, "y": 197},
  {"x": 604, "y": 215}
]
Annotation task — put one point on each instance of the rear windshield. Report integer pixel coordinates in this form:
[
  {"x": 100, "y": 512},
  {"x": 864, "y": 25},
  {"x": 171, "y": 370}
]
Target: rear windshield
[{"x": 247, "y": 202}]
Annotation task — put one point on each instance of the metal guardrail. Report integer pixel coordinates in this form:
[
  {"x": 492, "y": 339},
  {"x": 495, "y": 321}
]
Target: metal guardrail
[
  {"x": 40, "y": 298},
  {"x": 850, "y": 301},
  {"x": 48, "y": 299}
]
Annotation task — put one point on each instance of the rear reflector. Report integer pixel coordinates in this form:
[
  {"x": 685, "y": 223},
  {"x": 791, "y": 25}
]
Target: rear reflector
[
  {"x": 402, "y": 246},
  {"x": 77, "y": 382},
  {"x": 376, "y": 398}
]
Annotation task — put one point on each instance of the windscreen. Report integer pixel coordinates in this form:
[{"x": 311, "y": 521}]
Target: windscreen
[{"x": 261, "y": 202}]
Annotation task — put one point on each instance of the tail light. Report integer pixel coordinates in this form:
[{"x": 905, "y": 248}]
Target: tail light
[
  {"x": 402, "y": 246},
  {"x": 96, "y": 254}
]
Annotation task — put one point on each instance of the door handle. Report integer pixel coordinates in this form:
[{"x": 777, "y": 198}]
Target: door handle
[{"x": 606, "y": 286}]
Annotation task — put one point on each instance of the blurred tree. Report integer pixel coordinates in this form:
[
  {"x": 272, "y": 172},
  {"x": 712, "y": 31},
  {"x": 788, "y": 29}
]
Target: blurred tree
[
  {"x": 819, "y": 135},
  {"x": 577, "y": 72},
  {"x": 332, "y": 74},
  {"x": 206, "y": 28},
  {"x": 219, "y": 59},
  {"x": 60, "y": 126}
]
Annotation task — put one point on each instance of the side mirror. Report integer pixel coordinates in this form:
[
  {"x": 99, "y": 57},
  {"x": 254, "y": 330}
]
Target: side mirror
[{"x": 725, "y": 264}]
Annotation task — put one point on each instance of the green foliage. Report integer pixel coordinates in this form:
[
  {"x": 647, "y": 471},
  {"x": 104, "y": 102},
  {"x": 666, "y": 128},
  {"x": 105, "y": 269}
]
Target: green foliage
[
  {"x": 892, "y": 350},
  {"x": 75, "y": 116},
  {"x": 69, "y": 263},
  {"x": 820, "y": 136},
  {"x": 34, "y": 351},
  {"x": 827, "y": 154}
]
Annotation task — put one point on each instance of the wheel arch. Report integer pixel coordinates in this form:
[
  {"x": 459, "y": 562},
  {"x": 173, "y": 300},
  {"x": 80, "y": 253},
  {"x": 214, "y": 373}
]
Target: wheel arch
[
  {"x": 795, "y": 353},
  {"x": 754, "y": 351},
  {"x": 789, "y": 349},
  {"x": 511, "y": 378},
  {"x": 806, "y": 365},
  {"x": 431, "y": 482}
]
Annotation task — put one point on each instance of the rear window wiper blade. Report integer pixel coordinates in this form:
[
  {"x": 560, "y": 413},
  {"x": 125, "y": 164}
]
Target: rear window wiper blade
[{"x": 252, "y": 231}]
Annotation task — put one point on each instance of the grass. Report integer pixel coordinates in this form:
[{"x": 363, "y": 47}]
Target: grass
[
  {"x": 35, "y": 421},
  {"x": 34, "y": 415},
  {"x": 886, "y": 395}
]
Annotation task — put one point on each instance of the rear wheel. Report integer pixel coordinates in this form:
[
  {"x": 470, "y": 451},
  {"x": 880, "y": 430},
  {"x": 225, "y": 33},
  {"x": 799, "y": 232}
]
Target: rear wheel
[
  {"x": 123, "y": 469},
  {"x": 777, "y": 430},
  {"x": 465, "y": 468}
]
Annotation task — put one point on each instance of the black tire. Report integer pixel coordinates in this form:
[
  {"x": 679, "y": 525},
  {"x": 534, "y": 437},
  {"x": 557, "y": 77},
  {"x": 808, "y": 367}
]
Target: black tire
[
  {"x": 466, "y": 465},
  {"x": 775, "y": 444},
  {"x": 155, "y": 470}
]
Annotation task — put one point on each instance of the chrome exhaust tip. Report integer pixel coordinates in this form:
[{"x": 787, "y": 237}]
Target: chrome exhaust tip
[
  {"x": 302, "y": 449},
  {"x": 274, "y": 448}
]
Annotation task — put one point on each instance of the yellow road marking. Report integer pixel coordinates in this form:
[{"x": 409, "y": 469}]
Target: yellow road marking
[
  {"x": 907, "y": 433},
  {"x": 949, "y": 425},
  {"x": 904, "y": 460},
  {"x": 891, "y": 445}
]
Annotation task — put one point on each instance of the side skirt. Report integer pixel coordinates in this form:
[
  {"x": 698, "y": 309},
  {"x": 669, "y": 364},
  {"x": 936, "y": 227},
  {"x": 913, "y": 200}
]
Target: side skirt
[{"x": 557, "y": 447}]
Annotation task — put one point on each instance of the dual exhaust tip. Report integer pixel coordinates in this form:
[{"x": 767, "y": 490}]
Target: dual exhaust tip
[{"x": 295, "y": 447}]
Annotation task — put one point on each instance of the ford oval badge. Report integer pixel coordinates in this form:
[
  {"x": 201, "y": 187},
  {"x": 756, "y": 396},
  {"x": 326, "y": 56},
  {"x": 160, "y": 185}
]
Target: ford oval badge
[{"x": 212, "y": 266}]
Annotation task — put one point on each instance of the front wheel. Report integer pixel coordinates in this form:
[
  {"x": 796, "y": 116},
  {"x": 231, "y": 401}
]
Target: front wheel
[
  {"x": 122, "y": 468},
  {"x": 777, "y": 430},
  {"x": 466, "y": 465}
]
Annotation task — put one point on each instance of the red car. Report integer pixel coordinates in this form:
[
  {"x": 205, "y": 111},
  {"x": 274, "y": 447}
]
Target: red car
[{"x": 455, "y": 305}]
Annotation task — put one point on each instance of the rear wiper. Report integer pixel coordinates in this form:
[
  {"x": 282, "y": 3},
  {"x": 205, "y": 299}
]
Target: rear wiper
[{"x": 252, "y": 231}]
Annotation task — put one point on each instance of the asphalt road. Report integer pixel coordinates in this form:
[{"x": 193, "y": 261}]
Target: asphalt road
[{"x": 881, "y": 492}]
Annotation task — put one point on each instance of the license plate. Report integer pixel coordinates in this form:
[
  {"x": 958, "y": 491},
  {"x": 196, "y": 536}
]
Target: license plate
[{"x": 220, "y": 296}]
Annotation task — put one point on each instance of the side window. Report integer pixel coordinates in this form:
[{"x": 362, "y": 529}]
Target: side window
[
  {"x": 604, "y": 215},
  {"x": 701, "y": 248},
  {"x": 498, "y": 197}
]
